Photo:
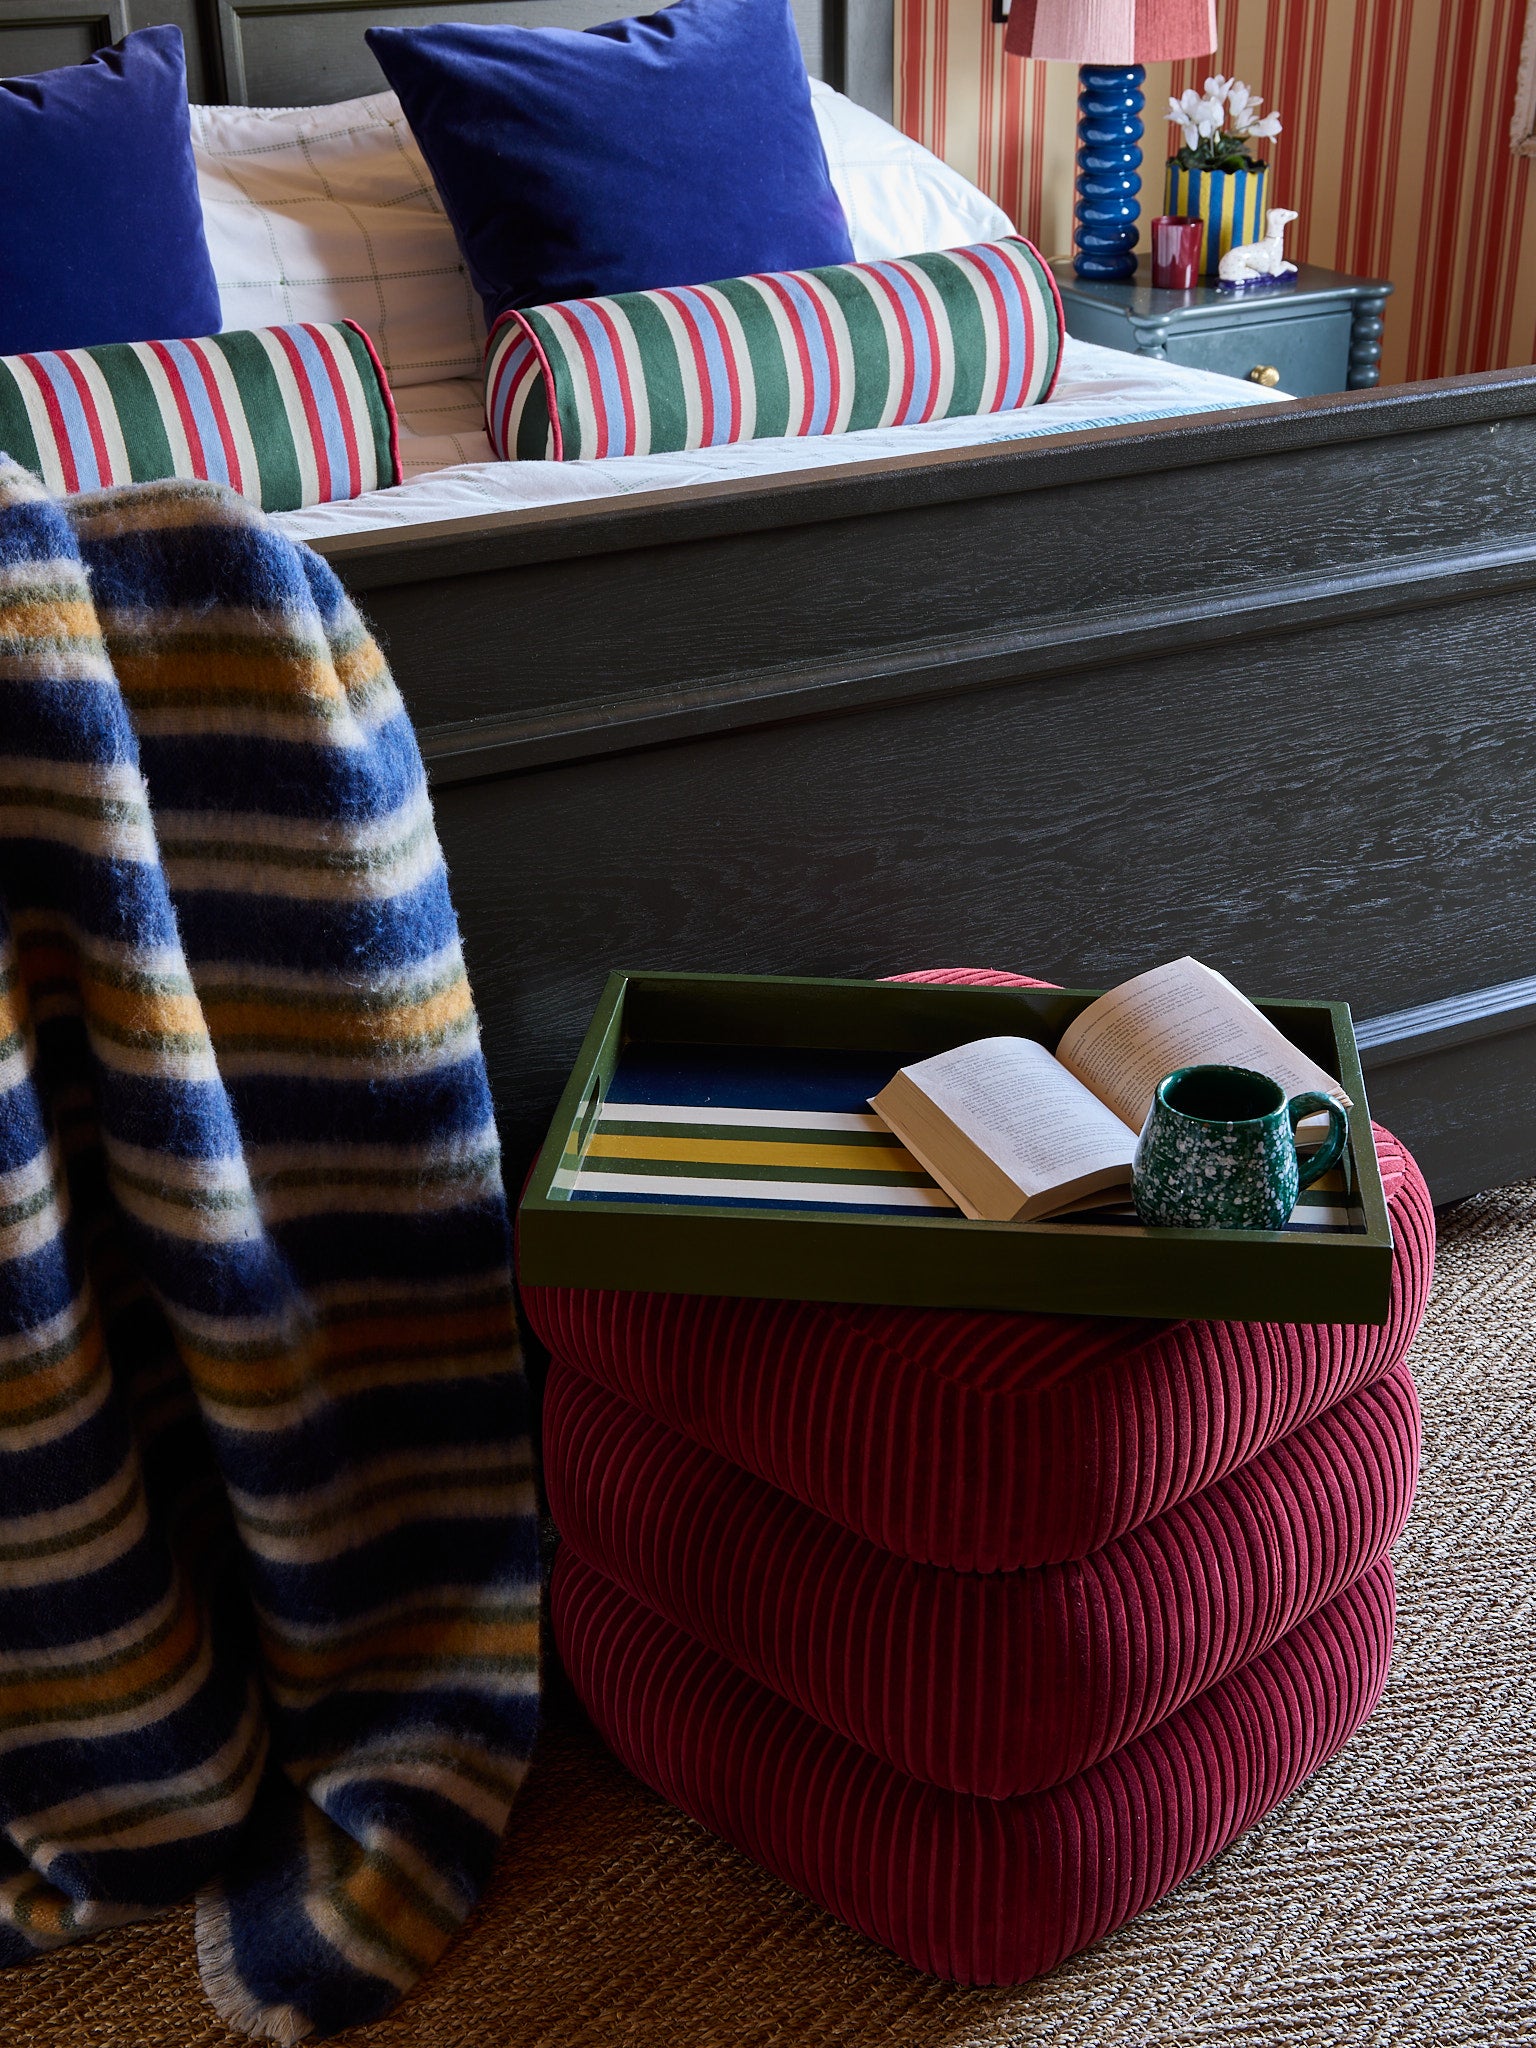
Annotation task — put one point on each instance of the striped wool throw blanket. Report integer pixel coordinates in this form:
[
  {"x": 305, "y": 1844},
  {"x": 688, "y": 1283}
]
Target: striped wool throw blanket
[{"x": 268, "y": 1572}]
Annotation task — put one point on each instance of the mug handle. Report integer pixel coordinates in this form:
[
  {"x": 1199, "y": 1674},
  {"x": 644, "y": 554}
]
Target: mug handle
[{"x": 1332, "y": 1150}]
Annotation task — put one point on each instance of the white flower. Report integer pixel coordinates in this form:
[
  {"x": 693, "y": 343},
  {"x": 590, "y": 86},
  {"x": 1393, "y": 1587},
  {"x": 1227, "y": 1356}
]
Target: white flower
[
  {"x": 1209, "y": 116},
  {"x": 1244, "y": 119},
  {"x": 1225, "y": 107},
  {"x": 1181, "y": 112}
]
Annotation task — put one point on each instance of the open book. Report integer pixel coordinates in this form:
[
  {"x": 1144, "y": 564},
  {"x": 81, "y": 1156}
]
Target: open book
[{"x": 1012, "y": 1132}]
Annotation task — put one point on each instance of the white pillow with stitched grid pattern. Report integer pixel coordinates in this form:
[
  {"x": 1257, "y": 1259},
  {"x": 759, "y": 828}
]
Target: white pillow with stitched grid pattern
[{"x": 330, "y": 213}]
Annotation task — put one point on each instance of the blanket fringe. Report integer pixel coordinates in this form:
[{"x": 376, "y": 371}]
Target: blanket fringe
[{"x": 228, "y": 1992}]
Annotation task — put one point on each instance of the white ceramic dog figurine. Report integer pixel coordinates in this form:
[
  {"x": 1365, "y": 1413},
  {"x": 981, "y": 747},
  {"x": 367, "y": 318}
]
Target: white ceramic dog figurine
[{"x": 1251, "y": 261}]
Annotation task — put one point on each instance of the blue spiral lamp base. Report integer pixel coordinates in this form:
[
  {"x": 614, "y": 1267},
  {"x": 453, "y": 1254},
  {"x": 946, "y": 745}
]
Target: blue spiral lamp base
[{"x": 1105, "y": 226}]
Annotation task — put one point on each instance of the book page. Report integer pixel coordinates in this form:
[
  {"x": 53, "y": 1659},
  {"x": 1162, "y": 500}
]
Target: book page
[
  {"x": 1020, "y": 1106},
  {"x": 1181, "y": 1015}
]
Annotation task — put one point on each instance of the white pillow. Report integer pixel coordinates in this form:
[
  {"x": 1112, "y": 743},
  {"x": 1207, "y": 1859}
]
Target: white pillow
[
  {"x": 328, "y": 213},
  {"x": 899, "y": 197}
]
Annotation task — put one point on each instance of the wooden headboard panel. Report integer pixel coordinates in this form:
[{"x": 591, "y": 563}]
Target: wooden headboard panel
[{"x": 274, "y": 53}]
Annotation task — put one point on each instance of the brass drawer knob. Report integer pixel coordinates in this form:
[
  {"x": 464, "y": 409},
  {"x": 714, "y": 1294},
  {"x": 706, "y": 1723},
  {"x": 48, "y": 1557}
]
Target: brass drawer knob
[{"x": 1264, "y": 373}]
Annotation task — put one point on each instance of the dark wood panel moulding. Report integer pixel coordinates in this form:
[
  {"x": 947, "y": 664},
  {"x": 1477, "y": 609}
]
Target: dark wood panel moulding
[
  {"x": 856, "y": 52},
  {"x": 108, "y": 20},
  {"x": 228, "y": 53},
  {"x": 496, "y": 540},
  {"x": 857, "y": 44},
  {"x": 861, "y": 43},
  {"x": 49, "y": 13},
  {"x": 849, "y": 42},
  {"x": 1464, "y": 1112},
  {"x": 1459, "y": 1093},
  {"x": 1460, "y": 1020},
  {"x": 474, "y": 749}
]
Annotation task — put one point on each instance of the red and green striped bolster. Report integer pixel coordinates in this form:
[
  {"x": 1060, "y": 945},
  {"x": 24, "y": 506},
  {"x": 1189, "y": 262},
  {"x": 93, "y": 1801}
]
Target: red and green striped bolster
[
  {"x": 286, "y": 416},
  {"x": 937, "y": 336}
]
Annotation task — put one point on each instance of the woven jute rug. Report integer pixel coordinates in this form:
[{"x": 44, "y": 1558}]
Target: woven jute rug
[{"x": 1393, "y": 1899}]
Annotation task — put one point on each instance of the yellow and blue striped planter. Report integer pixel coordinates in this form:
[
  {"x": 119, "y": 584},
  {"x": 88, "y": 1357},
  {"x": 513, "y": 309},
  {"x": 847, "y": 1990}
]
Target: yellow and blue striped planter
[{"x": 1231, "y": 203}]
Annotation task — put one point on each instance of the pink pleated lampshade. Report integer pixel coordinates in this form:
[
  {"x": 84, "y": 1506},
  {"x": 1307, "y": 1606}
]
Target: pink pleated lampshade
[{"x": 1111, "y": 31}]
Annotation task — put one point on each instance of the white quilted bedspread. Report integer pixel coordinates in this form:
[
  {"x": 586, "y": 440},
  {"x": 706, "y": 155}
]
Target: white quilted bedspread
[{"x": 451, "y": 472}]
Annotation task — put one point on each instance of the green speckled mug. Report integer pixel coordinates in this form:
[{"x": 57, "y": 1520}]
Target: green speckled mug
[{"x": 1218, "y": 1150}]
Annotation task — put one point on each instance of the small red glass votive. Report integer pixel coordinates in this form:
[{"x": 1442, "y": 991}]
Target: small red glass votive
[{"x": 1175, "y": 252}]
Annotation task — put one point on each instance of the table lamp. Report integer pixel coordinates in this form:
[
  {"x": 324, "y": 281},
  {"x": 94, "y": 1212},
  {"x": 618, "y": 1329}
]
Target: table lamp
[{"x": 1112, "y": 41}]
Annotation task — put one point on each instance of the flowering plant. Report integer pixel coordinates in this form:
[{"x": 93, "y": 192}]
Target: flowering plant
[{"x": 1220, "y": 126}]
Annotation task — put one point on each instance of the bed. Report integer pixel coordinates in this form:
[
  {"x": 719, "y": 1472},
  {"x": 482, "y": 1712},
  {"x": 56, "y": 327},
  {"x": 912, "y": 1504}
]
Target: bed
[{"x": 1251, "y": 683}]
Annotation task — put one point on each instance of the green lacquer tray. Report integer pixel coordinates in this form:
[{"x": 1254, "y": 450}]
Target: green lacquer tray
[{"x": 617, "y": 1198}]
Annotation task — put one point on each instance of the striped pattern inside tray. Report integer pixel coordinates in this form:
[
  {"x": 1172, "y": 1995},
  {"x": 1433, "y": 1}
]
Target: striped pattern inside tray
[{"x": 772, "y": 1129}]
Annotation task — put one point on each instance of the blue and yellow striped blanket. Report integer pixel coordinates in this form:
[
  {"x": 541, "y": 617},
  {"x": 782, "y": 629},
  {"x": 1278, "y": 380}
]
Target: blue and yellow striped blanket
[{"x": 268, "y": 1576}]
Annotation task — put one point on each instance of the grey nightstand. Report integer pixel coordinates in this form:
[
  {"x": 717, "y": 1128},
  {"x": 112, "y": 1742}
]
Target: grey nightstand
[{"x": 1316, "y": 332}]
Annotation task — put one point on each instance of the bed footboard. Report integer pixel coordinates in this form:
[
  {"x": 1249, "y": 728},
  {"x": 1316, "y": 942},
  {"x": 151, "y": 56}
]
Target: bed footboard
[{"x": 1255, "y": 686}]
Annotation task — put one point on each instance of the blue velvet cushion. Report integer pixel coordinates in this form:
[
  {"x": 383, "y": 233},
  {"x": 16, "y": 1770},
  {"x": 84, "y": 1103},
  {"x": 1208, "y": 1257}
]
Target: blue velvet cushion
[
  {"x": 665, "y": 150},
  {"x": 101, "y": 233}
]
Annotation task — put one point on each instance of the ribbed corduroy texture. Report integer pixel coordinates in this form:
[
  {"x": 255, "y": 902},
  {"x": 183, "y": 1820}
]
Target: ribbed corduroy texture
[
  {"x": 982, "y": 1891},
  {"x": 1016, "y": 1621},
  {"x": 997, "y": 1683},
  {"x": 985, "y": 1442}
]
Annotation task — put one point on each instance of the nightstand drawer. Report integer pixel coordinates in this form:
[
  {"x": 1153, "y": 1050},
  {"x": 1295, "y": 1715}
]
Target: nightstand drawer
[{"x": 1311, "y": 354}]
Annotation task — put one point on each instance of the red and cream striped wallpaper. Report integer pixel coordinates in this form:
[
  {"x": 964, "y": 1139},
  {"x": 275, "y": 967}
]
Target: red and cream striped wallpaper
[{"x": 1395, "y": 151}]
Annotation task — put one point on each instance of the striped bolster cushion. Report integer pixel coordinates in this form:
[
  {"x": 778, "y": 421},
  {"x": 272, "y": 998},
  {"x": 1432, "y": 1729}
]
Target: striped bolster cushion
[
  {"x": 286, "y": 416},
  {"x": 797, "y": 352}
]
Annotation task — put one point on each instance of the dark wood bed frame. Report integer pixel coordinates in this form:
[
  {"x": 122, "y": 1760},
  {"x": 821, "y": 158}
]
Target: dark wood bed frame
[{"x": 1257, "y": 686}]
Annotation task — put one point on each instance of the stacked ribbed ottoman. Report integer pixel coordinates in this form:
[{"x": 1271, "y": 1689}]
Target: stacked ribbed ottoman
[{"x": 982, "y": 1630}]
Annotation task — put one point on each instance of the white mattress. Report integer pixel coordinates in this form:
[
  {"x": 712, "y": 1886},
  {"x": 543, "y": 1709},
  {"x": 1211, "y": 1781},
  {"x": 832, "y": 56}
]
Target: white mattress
[{"x": 451, "y": 471}]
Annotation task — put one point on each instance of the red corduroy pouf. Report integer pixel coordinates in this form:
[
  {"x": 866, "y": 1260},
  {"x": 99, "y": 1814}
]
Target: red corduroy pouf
[
  {"x": 985, "y": 1891},
  {"x": 995, "y": 1683},
  {"x": 982, "y": 1630}
]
